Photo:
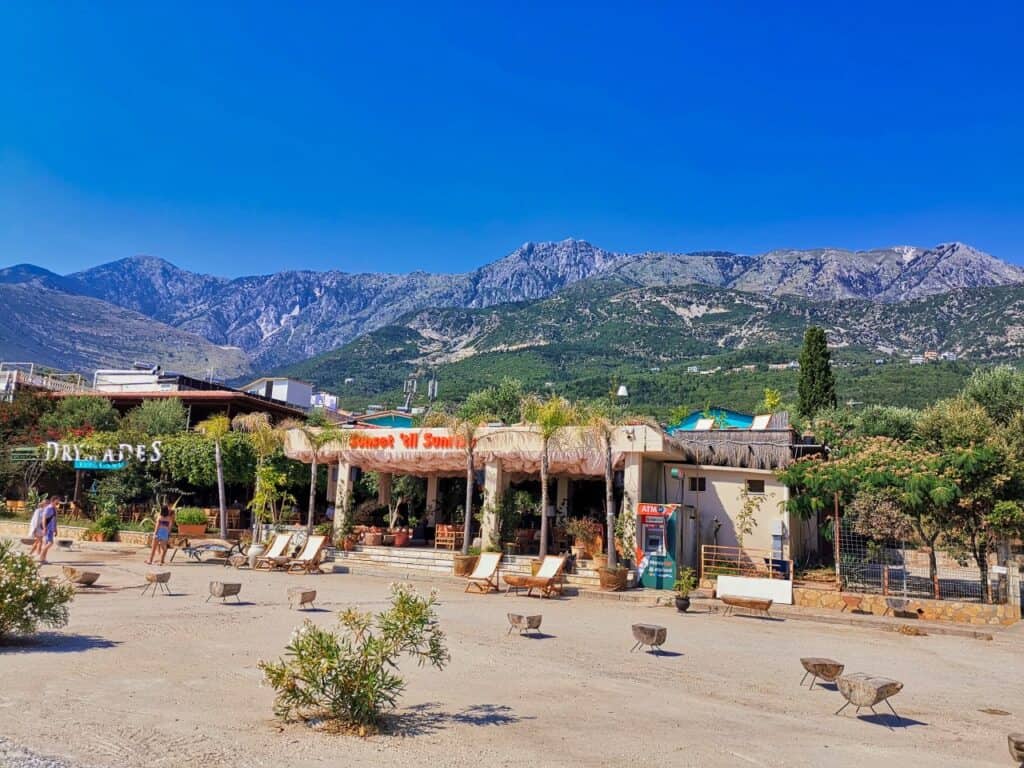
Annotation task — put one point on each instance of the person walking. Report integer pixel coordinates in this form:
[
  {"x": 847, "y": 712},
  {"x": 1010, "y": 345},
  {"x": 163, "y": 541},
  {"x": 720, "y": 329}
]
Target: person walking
[
  {"x": 162, "y": 534},
  {"x": 35, "y": 528},
  {"x": 49, "y": 527}
]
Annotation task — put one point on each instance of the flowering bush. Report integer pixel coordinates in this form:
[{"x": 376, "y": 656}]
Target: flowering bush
[
  {"x": 26, "y": 600},
  {"x": 349, "y": 677}
]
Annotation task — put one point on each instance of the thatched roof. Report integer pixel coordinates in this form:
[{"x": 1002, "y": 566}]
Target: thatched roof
[{"x": 770, "y": 448}]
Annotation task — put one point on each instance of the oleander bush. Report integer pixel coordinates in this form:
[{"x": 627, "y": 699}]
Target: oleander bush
[
  {"x": 26, "y": 599},
  {"x": 349, "y": 677}
]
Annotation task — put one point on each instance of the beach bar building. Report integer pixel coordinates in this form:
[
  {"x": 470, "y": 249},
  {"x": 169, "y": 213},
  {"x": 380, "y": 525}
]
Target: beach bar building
[{"x": 707, "y": 475}]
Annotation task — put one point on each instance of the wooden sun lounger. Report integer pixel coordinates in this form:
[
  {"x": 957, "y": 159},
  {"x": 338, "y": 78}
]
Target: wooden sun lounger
[
  {"x": 484, "y": 577},
  {"x": 309, "y": 559},
  {"x": 276, "y": 554},
  {"x": 549, "y": 578}
]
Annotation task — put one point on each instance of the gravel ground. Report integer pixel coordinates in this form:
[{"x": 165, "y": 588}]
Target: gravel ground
[
  {"x": 173, "y": 681},
  {"x": 13, "y": 756}
]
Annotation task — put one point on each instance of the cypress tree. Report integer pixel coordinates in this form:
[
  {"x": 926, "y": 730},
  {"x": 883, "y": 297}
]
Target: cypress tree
[{"x": 817, "y": 386}]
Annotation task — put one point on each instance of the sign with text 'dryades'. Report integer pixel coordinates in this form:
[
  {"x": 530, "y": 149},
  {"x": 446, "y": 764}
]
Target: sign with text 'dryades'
[{"x": 122, "y": 454}]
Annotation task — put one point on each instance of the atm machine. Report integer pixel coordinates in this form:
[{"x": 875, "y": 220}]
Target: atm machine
[{"x": 658, "y": 526}]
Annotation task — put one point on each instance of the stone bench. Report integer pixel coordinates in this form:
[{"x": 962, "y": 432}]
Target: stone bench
[
  {"x": 650, "y": 635},
  {"x": 157, "y": 580},
  {"x": 756, "y": 604},
  {"x": 301, "y": 596},
  {"x": 827, "y": 669},
  {"x": 80, "y": 578},
  {"x": 1015, "y": 741},
  {"x": 224, "y": 590},
  {"x": 864, "y": 690},
  {"x": 523, "y": 623}
]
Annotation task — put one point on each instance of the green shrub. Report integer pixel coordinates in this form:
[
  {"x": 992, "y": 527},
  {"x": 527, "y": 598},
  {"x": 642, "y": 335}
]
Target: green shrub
[
  {"x": 26, "y": 599},
  {"x": 190, "y": 516},
  {"x": 349, "y": 677},
  {"x": 108, "y": 524}
]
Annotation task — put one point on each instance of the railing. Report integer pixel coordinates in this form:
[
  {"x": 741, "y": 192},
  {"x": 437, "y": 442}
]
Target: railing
[
  {"x": 13, "y": 375},
  {"x": 736, "y": 561}
]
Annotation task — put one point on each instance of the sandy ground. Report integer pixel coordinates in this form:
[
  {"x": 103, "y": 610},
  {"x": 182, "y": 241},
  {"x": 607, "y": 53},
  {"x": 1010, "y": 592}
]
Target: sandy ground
[{"x": 172, "y": 681}]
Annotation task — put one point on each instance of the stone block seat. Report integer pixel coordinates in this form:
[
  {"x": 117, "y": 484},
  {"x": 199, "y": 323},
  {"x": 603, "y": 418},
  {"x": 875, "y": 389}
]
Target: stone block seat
[
  {"x": 827, "y": 669},
  {"x": 650, "y": 635},
  {"x": 864, "y": 690}
]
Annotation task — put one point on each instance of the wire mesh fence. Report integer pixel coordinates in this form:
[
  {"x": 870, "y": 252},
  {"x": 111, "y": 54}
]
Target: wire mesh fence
[{"x": 903, "y": 569}]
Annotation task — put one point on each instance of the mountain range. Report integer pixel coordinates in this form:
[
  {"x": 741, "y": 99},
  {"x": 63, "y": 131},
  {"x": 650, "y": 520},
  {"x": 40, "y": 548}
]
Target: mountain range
[{"x": 146, "y": 307}]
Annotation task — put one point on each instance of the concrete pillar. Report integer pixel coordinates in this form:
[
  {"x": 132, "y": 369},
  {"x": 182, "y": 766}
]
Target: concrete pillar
[
  {"x": 342, "y": 494},
  {"x": 496, "y": 483},
  {"x": 432, "y": 482},
  {"x": 562, "y": 495},
  {"x": 332, "y": 481},
  {"x": 632, "y": 487},
  {"x": 384, "y": 489}
]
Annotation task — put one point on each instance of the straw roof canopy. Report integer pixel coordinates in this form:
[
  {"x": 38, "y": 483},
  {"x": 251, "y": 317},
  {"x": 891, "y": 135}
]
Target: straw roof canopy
[
  {"x": 771, "y": 448},
  {"x": 572, "y": 451}
]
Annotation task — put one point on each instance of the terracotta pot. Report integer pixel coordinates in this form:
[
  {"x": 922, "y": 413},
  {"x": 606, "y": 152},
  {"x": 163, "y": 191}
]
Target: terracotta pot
[
  {"x": 348, "y": 544},
  {"x": 402, "y": 538},
  {"x": 373, "y": 539},
  {"x": 197, "y": 530},
  {"x": 94, "y": 536},
  {"x": 614, "y": 580},
  {"x": 463, "y": 565}
]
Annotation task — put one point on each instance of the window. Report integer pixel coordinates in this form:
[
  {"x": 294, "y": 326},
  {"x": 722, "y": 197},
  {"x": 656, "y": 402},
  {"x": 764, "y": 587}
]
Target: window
[
  {"x": 755, "y": 486},
  {"x": 698, "y": 484}
]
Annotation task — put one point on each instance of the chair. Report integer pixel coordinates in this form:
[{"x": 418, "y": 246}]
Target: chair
[
  {"x": 275, "y": 556},
  {"x": 308, "y": 560},
  {"x": 548, "y": 578},
  {"x": 484, "y": 577}
]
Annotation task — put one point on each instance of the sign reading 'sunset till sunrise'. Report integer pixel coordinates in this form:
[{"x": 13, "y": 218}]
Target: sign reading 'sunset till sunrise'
[
  {"x": 151, "y": 453},
  {"x": 410, "y": 441}
]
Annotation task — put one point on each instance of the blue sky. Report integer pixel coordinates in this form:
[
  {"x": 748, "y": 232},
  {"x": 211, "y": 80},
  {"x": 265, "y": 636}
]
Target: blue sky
[{"x": 245, "y": 138}]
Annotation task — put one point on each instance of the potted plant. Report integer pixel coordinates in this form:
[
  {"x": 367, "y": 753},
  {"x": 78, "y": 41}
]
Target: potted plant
[
  {"x": 685, "y": 584},
  {"x": 463, "y": 565},
  {"x": 374, "y": 537},
  {"x": 402, "y": 536},
  {"x": 613, "y": 578},
  {"x": 191, "y": 521},
  {"x": 104, "y": 528},
  {"x": 584, "y": 532}
]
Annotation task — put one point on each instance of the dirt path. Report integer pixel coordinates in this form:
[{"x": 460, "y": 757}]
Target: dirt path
[{"x": 172, "y": 681}]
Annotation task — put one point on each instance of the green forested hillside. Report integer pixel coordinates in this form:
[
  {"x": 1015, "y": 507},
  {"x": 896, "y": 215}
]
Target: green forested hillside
[{"x": 598, "y": 334}]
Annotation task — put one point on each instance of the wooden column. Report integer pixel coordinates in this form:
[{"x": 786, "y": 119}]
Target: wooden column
[{"x": 432, "y": 482}]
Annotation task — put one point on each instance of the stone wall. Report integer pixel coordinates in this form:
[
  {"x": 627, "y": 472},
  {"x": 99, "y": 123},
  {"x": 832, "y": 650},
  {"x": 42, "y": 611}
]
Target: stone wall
[
  {"x": 15, "y": 529},
  {"x": 926, "y": 610},
  {"x": 822, "y": 597}
]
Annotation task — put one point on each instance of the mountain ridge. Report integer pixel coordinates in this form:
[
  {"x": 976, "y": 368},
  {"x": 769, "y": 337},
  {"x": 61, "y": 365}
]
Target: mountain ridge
[{"x": 287, "y": 316}]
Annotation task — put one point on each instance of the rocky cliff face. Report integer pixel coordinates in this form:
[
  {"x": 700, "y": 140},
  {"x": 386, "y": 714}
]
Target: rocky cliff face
[{"x": 291, "y": 315}]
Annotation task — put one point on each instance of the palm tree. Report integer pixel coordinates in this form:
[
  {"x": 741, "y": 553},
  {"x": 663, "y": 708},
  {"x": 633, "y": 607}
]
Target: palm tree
[
  {"x": 318, "y": 433},
  {"x": 550, "y": 417},
  {"x": 464, "y": 424},
  {"x": 266, "y": 440},
  {"x": 601, "y": 421},
  {"x": 215, "y": 428}
]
